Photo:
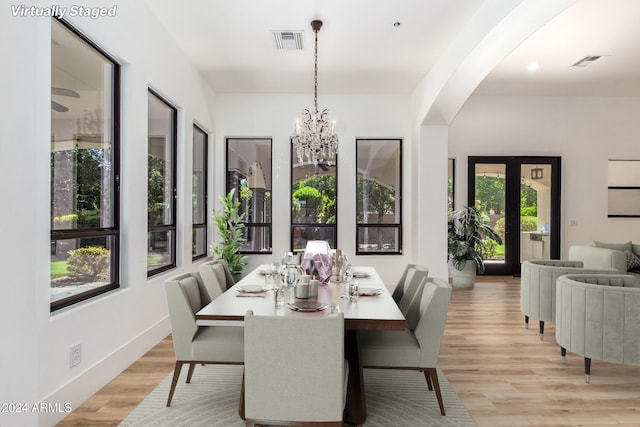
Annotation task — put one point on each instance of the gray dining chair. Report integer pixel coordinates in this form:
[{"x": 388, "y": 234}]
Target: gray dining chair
[
  {"x": 418, "y": 346},
  {"x": 214, "y": 277},
  {"x": 413, "y": 285},
  {"x": 295, "y": 372},
  {"x": 405, "y": 279},
  {"x": 195, "y": 344}
]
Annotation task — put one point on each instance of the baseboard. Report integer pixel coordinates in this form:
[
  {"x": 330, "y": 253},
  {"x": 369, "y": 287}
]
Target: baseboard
[{"x": 75, "y": 392}]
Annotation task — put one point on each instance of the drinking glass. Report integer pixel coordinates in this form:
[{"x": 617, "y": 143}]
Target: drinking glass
[
  {"x": 278, "y": 296},
  {"x": 353, "y": 291}
]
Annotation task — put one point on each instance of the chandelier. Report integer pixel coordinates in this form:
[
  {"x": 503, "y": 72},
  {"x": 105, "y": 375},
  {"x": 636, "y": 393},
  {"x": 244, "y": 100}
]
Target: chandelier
[{"x": 314, "y": 139}]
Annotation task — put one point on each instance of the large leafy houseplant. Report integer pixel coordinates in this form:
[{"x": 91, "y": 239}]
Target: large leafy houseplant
[
  {"x": 465, "y": 234},
  {"x": 229, "y": 223}
]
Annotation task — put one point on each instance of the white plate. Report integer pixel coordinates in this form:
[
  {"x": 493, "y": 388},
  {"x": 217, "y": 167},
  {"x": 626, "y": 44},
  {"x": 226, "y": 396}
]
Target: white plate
[
  {"x": 369, "y": 291},
  {"x": 250, "y": 289},
  {"x": 307, "y": 306}
]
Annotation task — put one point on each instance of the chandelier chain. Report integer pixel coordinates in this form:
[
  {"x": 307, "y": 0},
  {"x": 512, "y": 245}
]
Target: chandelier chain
[
  {"x": 314, "y": 139},
  {"x": 315, "y": 76}
]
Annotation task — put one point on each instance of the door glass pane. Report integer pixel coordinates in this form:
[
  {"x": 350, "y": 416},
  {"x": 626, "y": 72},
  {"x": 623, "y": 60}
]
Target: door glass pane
[
  {"x": 535, "y": 211},
  {"x": 490, "y": 203}
]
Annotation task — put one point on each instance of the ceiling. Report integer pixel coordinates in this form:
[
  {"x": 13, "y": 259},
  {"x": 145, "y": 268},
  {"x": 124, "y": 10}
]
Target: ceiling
[{"x": 361, "y": 51}]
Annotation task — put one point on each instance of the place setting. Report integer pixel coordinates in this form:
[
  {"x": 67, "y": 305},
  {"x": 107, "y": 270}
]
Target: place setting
[
  {"x": 251, "y": 290},
  {"x": 369, "y": 292},
  {"x": 306, "y": 306}
]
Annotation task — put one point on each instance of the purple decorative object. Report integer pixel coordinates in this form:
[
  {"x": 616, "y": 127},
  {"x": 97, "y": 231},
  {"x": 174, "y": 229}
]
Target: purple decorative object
[{"x": 317, "y": 260}]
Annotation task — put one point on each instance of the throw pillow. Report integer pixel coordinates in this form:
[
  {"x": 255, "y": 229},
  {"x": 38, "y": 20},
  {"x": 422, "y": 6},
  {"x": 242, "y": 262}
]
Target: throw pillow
[
  {"x": 615, "y": 246},
  {"x": 633, "y": 260}
]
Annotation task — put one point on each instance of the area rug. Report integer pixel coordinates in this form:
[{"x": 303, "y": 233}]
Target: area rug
[{"x": 394, "y": 398}]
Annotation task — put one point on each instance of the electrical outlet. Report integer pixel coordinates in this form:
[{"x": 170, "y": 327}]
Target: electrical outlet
[{"x": 75, "y": 355}]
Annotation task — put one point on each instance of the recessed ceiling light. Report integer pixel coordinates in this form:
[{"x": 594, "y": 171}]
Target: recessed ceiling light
[{"x": 534, "y": 66}]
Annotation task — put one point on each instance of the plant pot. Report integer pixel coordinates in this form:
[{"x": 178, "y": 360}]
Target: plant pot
[{"x": 465, "y": 278}]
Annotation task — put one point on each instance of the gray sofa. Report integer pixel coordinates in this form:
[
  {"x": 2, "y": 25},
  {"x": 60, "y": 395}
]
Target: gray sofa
[
  {"x": 612, "y": 257},
  {"x": 597, "y": 318}
]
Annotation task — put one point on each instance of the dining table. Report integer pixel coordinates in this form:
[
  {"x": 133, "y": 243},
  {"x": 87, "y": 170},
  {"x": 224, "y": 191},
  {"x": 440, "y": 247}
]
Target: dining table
[{"x": 373, "y": 309}]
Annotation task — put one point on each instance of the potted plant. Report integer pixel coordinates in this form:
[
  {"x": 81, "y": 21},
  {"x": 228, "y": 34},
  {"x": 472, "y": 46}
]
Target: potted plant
[
  {"x": 230, "y": 227},
  {"x": 465, "y": 234}
]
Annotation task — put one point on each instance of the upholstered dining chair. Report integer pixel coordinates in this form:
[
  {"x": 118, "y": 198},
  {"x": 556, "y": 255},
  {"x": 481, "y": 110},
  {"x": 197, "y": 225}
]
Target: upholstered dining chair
[
  {"x": 295, "y": 372},
  {"x": 405, "y": 280},
  {"x": 414, "y": 284},
  {"x": 215, "y": 276},
  {"x": 418, "y": 346},
  {"x": 195, "y": 344}
]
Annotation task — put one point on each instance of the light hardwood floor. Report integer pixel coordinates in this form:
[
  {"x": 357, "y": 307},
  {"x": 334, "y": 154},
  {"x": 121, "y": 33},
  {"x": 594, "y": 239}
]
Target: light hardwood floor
[{"x": 503, "y": 373}]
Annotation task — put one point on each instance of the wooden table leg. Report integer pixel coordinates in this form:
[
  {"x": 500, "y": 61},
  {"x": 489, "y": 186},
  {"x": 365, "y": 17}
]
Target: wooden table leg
[{"x": 355, "y": 411}]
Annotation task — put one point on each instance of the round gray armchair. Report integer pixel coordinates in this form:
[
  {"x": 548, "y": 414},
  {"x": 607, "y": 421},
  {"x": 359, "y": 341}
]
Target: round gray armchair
[
  {"x": 538, "y": 287},
  {"x": 597, "y": 318}
]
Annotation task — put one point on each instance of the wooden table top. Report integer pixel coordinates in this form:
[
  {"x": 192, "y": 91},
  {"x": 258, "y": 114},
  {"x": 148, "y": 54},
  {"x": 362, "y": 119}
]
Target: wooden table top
[{"x": 369, "y": 312}]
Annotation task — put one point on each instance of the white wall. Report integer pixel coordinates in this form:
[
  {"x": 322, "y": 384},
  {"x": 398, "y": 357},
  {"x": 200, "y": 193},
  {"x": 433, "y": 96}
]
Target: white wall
[
  {"x": 584, "y": 131},
  {"x": 274, "y": 115},
  {"x": 114, "y": 329}
]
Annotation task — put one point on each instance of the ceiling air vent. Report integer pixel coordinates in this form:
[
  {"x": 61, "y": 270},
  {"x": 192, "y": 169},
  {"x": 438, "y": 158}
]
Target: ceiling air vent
[
  {"x": 288, "y": 40},
  {"x": 587, "y": 60}
]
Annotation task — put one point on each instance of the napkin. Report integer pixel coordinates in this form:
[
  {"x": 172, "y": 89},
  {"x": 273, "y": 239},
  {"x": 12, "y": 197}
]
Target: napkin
[{"x": 251, "y": 294}]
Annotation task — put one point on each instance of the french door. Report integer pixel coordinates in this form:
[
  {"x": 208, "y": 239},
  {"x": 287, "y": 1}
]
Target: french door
[{"x": 520, "y": 198}]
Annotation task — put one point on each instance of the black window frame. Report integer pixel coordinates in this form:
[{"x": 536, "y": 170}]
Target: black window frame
[
  {"x": 98, "y": 232},
  {"x": 205, "y": 192},
  {"x": 174, "y": 155},
  {"x": 250, "y": 226},
  {"x": 398, "y": 225}
]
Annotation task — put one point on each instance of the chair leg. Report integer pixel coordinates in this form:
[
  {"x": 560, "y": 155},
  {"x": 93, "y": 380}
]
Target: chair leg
[
  {"x": 563, "y": 353},
  {"x": 192, "y": 366},
  {"x": 587, "y": 369},
  {"x": 526, "y": 322},
  {"x": 433, "y": 373},
  {"x": 428, "y": 377},
  {"x": 541, "y": 330},
  {"x": 174, "y": 381},
  {"x": 241, "y": 403}
]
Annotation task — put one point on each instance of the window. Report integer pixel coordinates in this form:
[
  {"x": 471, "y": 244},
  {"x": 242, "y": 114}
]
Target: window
[
  {"x": 249, "y": 173},
  {"x": 161, "y": 186},
  {"x": 314, "y": 203},
  {"x": 379, "y": 196},
  {"x": 85, "y": 168},
  {"x": 199, "y": 193}
]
